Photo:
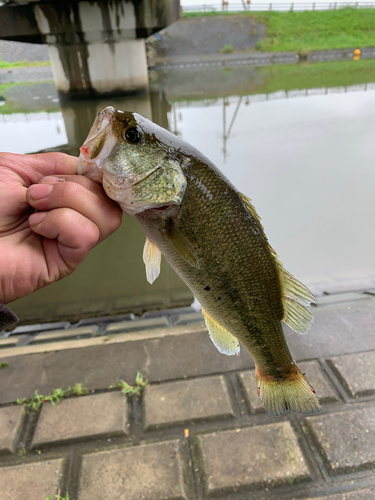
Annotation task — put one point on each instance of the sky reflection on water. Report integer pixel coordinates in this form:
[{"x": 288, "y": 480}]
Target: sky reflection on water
[{"x": 28, "y": 132}]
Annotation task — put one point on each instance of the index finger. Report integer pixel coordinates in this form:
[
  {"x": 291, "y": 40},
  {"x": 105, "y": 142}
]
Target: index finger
[
  {"x": 33, "y": 167},
  {"x": 53, "y": 163}
]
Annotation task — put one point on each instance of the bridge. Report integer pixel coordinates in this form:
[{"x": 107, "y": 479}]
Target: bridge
[{"x": 95, "y": 47}]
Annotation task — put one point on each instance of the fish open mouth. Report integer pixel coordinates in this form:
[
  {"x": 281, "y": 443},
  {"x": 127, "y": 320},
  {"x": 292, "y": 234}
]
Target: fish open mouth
[{"x": 99, "y": 144}]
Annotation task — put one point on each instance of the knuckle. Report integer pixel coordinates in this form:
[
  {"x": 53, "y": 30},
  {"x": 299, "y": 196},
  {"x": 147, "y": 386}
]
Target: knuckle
[
  {"x": 116, "y": 219},
  {"x": 92, "y": 235},
  {"x": 72, "y": 190}
]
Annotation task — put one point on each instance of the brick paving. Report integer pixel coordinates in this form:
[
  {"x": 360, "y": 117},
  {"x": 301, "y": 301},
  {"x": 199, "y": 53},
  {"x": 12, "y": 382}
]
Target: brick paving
[
  {"x": 346, "y": 440},
  {"x": 34, "y": 481},
  {"x": 11, "y": 418},
  {"x": 357, "y": 373},
  {"x": 251, "y": 458},
  {"x": 80, "y": 418},
  {"x": 187, "y": 401},
  {"x": 152, "y": 470},
  {"x": 197, "y": 431}
]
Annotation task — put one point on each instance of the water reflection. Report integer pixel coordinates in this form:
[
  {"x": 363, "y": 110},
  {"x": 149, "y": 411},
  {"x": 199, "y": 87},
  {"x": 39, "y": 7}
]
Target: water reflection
[
  {"x": 304, "y": 156},
  {"x": 25, "y": 132},
  {"x": 112, "y": 279}
]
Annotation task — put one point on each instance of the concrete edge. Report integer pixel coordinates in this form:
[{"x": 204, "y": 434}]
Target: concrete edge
[{"x": 114, "y": 338}]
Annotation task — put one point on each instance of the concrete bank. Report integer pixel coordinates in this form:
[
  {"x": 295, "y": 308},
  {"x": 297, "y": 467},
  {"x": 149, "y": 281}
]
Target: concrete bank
[
  {"x": 254, "y": 59},
  {"x": 197, "y": 430}
]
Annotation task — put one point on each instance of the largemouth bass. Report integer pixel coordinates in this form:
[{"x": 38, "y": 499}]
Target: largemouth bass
[{"x": 213, "y": 238}]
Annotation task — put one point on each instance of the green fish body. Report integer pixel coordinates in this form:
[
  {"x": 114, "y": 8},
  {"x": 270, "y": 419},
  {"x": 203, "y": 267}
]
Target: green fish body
[{"x": 213, "y": 238}]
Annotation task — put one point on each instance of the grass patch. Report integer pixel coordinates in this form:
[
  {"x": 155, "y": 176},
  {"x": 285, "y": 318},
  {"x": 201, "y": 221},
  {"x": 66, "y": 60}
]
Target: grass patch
[
  {"x": 3, "y": 365},
  {"x": 23, "y": 64},
  {"x": 318, "y": 30},
  {"x": 34, "y": 404},
  {"x": 228, "y": 47},
  {"x": 311, "y": 30}
]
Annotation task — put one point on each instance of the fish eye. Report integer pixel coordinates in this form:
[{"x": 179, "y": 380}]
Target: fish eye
[{"x": 132, "y": 135}]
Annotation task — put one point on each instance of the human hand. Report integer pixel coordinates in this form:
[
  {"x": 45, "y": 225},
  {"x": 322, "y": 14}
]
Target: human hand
[{"x": 74, "y": 214}]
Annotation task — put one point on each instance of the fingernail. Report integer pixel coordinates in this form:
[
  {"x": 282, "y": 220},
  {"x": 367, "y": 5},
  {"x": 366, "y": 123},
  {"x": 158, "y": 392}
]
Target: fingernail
[
  {"x": 51, "y": 179},
  {"x": 39, "y": 191},
  {"x": 36, "y": 218}
]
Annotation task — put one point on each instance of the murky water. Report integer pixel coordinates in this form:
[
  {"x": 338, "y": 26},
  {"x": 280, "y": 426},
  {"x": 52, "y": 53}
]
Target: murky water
[{"x": 304, "y": 155}]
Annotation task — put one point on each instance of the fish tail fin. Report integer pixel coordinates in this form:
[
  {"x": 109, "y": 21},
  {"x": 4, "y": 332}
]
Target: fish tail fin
[{"x": 293, "y": 393}]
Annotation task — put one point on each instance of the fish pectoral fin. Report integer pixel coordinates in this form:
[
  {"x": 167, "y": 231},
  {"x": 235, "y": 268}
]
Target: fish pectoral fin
[
  {"x": 294, "y": 294},
  {"x": 151, "y": 258},
  {"x": 183, "y": 246},
  {"x": 225, "y": 342}
]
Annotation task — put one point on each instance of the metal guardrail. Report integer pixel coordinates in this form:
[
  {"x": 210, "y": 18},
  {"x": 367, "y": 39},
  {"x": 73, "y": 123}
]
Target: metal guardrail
[{"x": 248, "y": 5}]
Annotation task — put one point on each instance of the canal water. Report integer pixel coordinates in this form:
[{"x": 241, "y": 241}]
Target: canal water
[{"x": 298, "y": 140}]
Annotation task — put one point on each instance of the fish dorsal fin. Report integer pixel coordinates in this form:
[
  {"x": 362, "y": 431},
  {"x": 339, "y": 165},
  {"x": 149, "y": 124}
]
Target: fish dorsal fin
[
  {"x": 225, "y": 342},
  {"x": 294, "y": 294},
  {"x": 183, "y": 246},
  {"x": 253, "y": 212},
  {"x": 151, "y": 258}
]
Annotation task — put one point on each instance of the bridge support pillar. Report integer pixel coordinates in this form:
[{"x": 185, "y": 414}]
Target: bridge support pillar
[
  {"x": 96, "y": 47},
  {"x": 98, "y": 69}
]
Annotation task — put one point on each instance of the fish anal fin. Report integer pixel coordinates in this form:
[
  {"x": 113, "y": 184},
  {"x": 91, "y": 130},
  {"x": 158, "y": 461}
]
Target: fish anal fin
[
  {"x": 294, "y": 294},
  {"x": 225, "y": 342},
  {"x": 295, "y": 297},
  {"x": 183, "y": 246},
  {"x": 293, "y": 394},
  {"x": 152, "y": 259},
  {"x": 296, "y": 316}
]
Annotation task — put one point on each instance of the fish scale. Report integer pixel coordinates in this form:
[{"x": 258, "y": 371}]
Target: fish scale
[
  {"x": 213, "y": 238},
  {"x": 236, "y": 279}
]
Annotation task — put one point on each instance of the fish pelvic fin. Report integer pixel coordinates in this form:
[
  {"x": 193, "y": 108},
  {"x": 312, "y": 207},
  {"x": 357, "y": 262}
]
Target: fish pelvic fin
[
  {"x": 152, "y": 259},
  {"x": 225, "y": 342},
  {"x": 295, "y": 295},
  {"x": 294, "y": 393}
]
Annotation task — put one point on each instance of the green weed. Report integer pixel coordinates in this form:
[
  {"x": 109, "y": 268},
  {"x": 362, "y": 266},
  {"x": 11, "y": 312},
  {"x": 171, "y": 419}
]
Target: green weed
[
  {"x": 38, "y": 400},
  {"x": 58, "y": 497},
  {"x": 140, "y": 384},
  {"x": 228, "y": 47},
  {"x": 22, "y": 452},
  {"x": 3, "y": 365}
]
